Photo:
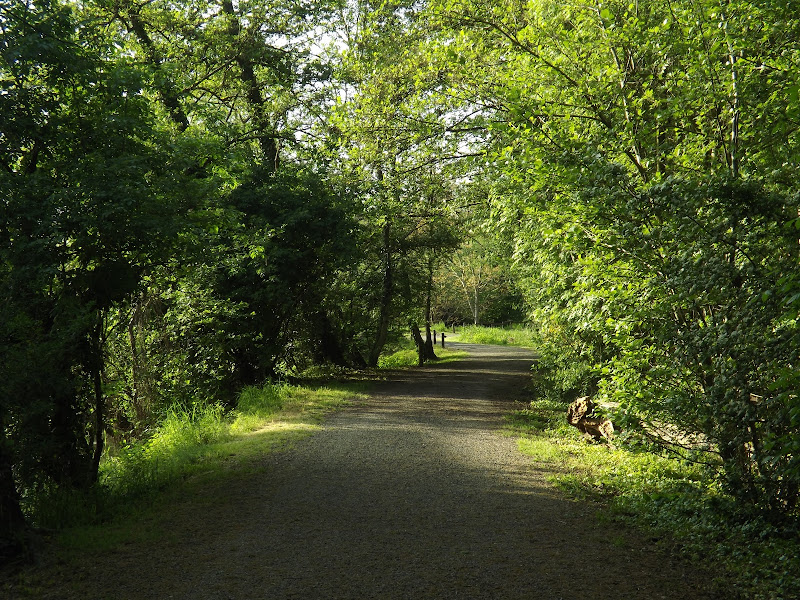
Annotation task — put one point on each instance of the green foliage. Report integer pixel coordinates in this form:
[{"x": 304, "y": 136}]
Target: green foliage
[
  {"x": 190, "y": 205},
  {"x": 172, "y": 228},
  {"x": 84, "y": 213},
  {"x": 688, "y": 333},
  {"x": 643, "y": 167},
  {"x": 675, "y": 500},
  {"x": 474, "y": 285},
  {"x": 399, "y": 359}
]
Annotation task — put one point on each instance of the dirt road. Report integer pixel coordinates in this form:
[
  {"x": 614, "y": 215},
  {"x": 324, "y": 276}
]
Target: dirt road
[{"x": 412, "y": 494}]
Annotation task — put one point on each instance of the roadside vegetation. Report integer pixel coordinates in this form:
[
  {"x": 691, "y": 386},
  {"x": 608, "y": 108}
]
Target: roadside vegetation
[
  {"x": 518, "y": 335},
  {"x": 191, "y": 446},
  {"x": 677, "y": 502},
  {"x": 751, "y": 553}
]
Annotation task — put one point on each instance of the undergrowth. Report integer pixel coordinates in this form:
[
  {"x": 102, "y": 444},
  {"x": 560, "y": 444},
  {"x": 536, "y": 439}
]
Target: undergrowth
[
  {"x": 201, "y": 441},
  {"x": 404, "y": 355},
  {"x": 499, "y": 336},
  {"x": 677, "y": 502}
]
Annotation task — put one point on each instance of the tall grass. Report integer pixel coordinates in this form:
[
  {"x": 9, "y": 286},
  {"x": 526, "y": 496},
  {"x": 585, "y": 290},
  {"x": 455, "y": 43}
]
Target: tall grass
[
  {"x": 257, "y": 404},
  {"x": 499, "y": 336},
  {"x": 187, "y": 442},
  {"x": 179, "y": 443}
]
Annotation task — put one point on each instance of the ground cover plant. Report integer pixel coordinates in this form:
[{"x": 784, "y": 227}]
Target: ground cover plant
[
  {"x": 204, "y": 442},
  {"x": 679, "y": 503},
  {"x": 504, "y": 336}
]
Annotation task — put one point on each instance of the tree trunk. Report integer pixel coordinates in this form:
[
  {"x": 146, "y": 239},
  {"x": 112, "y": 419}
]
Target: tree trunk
[
  {"x": 419, "y": 343},
  {"x": 97, "y": 381},
  {"x": 267, "y": 140},
  {"x": 475, "y": 306},
  {"x": 355, "y": 357},
  {"x": 136, "y": 370},
  {"x": 12, "y": 523},
  {"x": 164, "y": 87},
  {"x": 429, "y": 353},
  {"x": 386, "y": 299},
  {"x": 734, "y": 158}
]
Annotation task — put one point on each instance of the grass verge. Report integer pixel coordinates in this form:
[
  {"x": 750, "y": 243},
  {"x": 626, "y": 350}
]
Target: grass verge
[
  {"x": 191, "y": 449},
  {"x": 673, "y": 500},
  {"x": 405, "y": 356},
  {"x": 498, "y": 336}
]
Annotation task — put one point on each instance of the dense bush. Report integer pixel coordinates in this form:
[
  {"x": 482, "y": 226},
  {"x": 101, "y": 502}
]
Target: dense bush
[
  {"x": 677, "y": 502},
  {"x": 688, "y": 328}
]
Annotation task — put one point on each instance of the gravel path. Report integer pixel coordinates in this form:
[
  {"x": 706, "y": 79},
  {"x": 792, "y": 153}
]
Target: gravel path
[{"x": 411, "y": 494}]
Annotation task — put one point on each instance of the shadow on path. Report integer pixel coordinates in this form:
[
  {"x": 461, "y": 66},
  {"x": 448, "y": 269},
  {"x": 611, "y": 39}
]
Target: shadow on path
[{"x": 411, "y": 494}]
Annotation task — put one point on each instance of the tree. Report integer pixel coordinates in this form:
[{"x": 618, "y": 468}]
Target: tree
[
  {"x": 401, "y": 147},
  {"x": 476, "y": 285},
  {"x": 640, "y": 152},
  {"x": 130, "y": 199},
  {"x": 79, "y": 226}
]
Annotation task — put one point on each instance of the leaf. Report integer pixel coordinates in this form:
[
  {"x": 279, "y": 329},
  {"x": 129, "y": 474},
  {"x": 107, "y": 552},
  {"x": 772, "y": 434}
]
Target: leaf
[{"x": 794, "y": 93}]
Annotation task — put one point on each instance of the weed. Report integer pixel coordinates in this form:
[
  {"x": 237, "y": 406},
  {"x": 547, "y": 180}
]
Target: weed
[{"x": 675, "y": 500}]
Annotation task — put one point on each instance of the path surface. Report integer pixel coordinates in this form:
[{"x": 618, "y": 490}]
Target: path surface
[{"x": 413, "y": 494}]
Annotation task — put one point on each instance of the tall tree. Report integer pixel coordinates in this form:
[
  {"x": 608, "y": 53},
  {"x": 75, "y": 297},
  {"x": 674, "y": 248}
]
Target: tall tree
[
  {"x": 401, "y": 145},
  {"x": 83, "y": 215},
  {"x": 645, "y": 151}
]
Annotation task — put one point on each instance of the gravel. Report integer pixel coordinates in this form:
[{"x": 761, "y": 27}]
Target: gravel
[{"x": 411, "y": 494}]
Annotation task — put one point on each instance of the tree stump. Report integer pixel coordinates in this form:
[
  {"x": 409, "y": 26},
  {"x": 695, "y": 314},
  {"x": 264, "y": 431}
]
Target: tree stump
[
  {"x": 579, "y": 409},
  {"x": 591, "y": 428}
]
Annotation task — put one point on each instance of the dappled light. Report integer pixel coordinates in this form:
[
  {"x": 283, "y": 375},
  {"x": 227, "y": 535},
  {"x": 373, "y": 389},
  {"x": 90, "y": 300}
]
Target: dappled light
[{"x": 211, "y": 212}]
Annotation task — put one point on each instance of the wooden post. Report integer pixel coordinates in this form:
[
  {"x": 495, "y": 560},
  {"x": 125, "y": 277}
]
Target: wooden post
[
  {"x": 434, "y": 337},
  {"x": 442, "y": 340}
]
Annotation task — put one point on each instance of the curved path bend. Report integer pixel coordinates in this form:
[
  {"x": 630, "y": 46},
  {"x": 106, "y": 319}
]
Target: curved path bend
[{"x": 411, "y": 494}]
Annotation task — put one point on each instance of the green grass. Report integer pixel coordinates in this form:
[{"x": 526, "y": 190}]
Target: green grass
[
  {"x": 499, "y": 336},
  {"x": 406, "y": 356},
  {"x": 676, "y": 501},
  {"x": 204, "y": 444},
  {"x": 266, "y": 417}
]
